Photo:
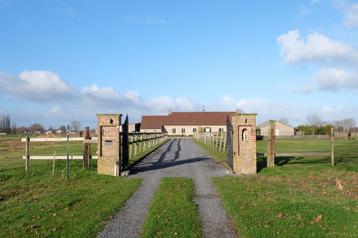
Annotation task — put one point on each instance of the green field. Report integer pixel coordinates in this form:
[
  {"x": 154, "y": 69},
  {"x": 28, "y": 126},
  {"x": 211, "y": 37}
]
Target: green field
[
  {"x": 300, "y": 196},
  {"x": 39, "y": 204},
  {"x": 173, "y": 212},
  {"x": 346, "y": 151}
]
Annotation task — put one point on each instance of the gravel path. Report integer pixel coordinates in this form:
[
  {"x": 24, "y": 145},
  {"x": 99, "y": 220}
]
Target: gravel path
[{"x": 178, "y": 157}]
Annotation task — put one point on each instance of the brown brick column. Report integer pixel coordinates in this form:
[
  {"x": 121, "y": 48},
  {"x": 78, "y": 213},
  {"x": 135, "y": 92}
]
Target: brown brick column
[
  {"x": 109, "y": 144},
  {"x": 242, "y": 152}
]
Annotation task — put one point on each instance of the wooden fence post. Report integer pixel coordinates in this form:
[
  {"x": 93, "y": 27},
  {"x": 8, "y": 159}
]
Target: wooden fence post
[
  {"x": 86, "y": 148},
  {"x": 130, "y": 147},
  {"x": 332, "y": 146},
  {"x": 145, "y": 143},
  {"x": 27, "y": 152},
  {"x": 53, "y": 163},
  {"x": 271, "y": 146},
  {"x": 350, "y": 134},
  {"x": 68, "y": 158},
  {"x": 135, "y": 145},
  {"x": 141, "y": 145},
  {"x": 221, "y": 142},
  {"x": 225, "y": 143}
]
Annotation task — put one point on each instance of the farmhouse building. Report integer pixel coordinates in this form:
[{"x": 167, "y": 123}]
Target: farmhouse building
[
  {"x": 281, "y": 129},
  {"x": 186, "y": 123}
]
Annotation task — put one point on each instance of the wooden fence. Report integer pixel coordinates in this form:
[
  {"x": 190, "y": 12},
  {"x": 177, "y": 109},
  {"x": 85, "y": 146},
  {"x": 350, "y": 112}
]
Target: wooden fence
[
  {"x": 137, "y": 143},
  {"x": 216, "y": 141}
]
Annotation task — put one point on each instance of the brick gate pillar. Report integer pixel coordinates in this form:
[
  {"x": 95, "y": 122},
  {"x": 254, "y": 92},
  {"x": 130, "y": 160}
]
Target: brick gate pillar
[
  {"x": 109, "y": 144},
  {"x": 242, "y": 140}
]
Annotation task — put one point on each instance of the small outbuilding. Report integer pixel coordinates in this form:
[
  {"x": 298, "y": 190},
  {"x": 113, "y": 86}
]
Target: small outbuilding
[{"x": 281, "y": 129}]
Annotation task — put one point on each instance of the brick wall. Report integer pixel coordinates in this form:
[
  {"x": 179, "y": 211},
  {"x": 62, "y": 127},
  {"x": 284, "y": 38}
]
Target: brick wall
[
  {"x": 109, "y": 144},
  {"x": 243, "y": 143}
]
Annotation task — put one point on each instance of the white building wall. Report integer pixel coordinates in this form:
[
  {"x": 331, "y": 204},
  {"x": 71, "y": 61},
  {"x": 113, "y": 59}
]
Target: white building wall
[
  {"x": 151, "y": 130},
  {"x": 191, "y": 130}
]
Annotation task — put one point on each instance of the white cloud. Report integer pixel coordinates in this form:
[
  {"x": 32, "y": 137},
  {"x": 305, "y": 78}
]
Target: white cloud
[
  {"x": 166, "y": 103},
  {"x": 35, "y": 85},
  {"x": 46, "y": 86},
  {"x": 317, "y": 48},
  {"x": 246, "y": 104},
  {"x": 100, "y": 92},
  {"x": 266, "y": 109},
  {"x": 349, "y": 11},
  {"x": 109, "y": 98},
  {"x": 55, "y": 109},
  {"x": 351, "y": 18},
  {"x": 334, "y": 79},
  {"x": 327, "y": 109}
]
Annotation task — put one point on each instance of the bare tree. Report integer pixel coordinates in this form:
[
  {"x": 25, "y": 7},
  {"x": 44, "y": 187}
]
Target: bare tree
[
  {"x": 314, "y": 120},
  {"x": 75, "y": 126},
  {"x": 37, "y": 128},
  {"x": 284, "y": 120},
  {"x": 62, "y": 129},
  {"x": 13, "y": 128},
  {"x": 5, "y": 124},
  {"x": 345, "y": 124}
]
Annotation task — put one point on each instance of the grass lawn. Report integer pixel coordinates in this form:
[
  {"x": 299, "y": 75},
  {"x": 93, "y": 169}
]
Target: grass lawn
[
  {"x": 173, "y": 212},
  {"x": 303, "y": 197},
  {"x": 346, "y": 151},
  {"x": 39, "y": 204},
  {"x": 218, "y": 156},
  {"x": 296, "y": 201}
]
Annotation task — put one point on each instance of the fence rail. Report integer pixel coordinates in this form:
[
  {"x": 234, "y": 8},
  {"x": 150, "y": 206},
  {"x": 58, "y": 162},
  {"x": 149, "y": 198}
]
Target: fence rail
[
  {"x": 59, "y": 139},
  {"x": 216, "y": 141},
  {"x": 137, "y": 144},
  {"x": 56, "y": 157}
]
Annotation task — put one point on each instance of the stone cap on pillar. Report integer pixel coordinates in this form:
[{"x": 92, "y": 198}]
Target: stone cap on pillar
[
  {"x": 243, "y": 119},
  {"x": 245, "y": 114},
  {"x": 109, "y": 119}
]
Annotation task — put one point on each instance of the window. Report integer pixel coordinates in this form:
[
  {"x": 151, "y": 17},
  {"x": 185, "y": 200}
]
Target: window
[
  {"x": 183, "y": 130},
  {"x": 244, "y": 135},
  {"x": 174, "y": 130},
  {"x": 221, "y": 129},
  {"x": 194, "y": 130}
]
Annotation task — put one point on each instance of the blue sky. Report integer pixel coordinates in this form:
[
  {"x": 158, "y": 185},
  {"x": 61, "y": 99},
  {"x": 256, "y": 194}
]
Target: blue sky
[{"x": 64, "y": 60}]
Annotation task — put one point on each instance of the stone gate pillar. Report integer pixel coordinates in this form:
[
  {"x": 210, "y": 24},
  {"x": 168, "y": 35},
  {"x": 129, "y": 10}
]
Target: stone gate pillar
[
  {"x": 242, "y": 143},
  {"x": 109, "y": 144}
]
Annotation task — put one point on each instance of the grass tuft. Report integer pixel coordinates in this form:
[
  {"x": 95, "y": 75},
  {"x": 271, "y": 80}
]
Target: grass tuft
[{"x": 172, "y": 212}]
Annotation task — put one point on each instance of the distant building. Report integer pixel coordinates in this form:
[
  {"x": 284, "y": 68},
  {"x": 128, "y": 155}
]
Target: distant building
[
  {"x": 153, "y": 124},
  {"x": 186, "y": 123},
  {"x": 281, "y": 129},
  {"x": 59, "y": 132},
  {"x": 134, "y": 127}
]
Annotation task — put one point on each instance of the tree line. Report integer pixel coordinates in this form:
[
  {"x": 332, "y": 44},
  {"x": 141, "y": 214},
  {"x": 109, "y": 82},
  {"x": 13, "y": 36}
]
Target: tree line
[
  {"x": 5, "y": 124},
  {"x": 316, "y": 126},
  {"x": 8, "y": 127}
]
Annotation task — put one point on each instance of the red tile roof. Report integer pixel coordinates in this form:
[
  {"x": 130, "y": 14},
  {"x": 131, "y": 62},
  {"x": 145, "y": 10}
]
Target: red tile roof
[
  {"x": 185, "y": 118},
  {"x": 153, "y": 122}
]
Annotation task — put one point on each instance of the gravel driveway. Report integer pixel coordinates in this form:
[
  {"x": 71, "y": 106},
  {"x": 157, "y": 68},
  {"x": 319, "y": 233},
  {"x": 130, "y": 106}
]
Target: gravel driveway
[{"x": 178, "y": 157}]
